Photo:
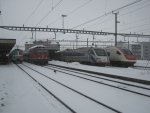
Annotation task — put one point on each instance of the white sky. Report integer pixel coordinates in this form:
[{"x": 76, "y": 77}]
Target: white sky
[{"x": 132, "y": 19}]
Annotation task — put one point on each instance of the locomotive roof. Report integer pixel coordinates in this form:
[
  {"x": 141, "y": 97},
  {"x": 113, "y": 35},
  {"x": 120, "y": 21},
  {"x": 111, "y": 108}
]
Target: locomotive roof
[
  {"x": 37, "y": 46},
  {"x": 84, "y": 49}
]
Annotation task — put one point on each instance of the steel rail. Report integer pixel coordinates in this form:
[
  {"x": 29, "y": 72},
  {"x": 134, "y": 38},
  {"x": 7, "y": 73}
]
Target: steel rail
[
  {"x": 79, "y": 72},
  {"x": 100, "y": 103},
  {"x": 105, "y": 84},
  {"x": 73, "y": 111}
]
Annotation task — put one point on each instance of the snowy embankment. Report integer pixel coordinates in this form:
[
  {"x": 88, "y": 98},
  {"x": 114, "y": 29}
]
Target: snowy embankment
[
  {"x": 126, "y": 72},
  {"x": 143, "y": 63}
]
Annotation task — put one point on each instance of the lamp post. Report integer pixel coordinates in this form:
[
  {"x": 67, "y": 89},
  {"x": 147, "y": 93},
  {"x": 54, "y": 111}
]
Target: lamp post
[{"x": 63, "y": 16}]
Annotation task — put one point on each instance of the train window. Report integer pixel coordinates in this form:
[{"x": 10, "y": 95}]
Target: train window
[
  {"x": 100, "y": 52},
  {"x": 126, "y": 51}
]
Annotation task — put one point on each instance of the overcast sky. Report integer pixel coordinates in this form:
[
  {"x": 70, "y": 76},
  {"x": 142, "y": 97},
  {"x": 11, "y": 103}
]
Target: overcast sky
[{"x": 43, "y": 13}]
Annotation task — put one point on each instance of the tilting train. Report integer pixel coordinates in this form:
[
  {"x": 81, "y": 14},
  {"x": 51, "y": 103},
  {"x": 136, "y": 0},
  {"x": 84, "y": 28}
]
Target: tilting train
[
  {"x": 120, "y": 56},
  {"x": 16, "y": 56},
  {"x": 94, "y": 56},
  {"x": 37, "y": 55}
]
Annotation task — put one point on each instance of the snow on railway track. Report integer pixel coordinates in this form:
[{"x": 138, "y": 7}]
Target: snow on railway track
[
  {"x": 137, "y": 89},
  {"x": 120, "y": 100},
  {"x": 77, "y": 101}
]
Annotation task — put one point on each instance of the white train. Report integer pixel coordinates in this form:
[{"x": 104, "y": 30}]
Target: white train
[
  {"x": 120, "y": 56},
  {"x": 94, "y": 56}
]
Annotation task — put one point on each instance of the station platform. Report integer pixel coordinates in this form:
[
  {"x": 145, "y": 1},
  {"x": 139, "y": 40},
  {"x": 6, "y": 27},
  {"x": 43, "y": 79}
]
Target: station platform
[{"x": 5, "y": 47}]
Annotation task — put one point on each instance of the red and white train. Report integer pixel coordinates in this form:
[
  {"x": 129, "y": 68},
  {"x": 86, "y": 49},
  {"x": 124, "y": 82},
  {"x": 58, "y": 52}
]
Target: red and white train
[
  {"x": 37, "y": 55},
  {"x": 120, "y": 56}
]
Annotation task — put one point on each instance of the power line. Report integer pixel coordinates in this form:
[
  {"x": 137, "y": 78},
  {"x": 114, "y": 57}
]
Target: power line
[
  {"x": 89, "y": 21},
  {"x": 74, "y": 10},
  {"x": 49, "y": 12},
  {"x": 33, "y": 12},
  {"x": 147, "y": 29},
  {"x": 135, "y": 10},
  {"x": 138, "y": 26},
  {"x": 81, "y": 6}
]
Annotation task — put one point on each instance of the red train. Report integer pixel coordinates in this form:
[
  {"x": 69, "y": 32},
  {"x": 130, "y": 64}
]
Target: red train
[{"x": 37, "y": 55}]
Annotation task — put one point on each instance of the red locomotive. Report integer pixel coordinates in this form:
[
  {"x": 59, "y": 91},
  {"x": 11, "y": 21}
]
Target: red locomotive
[{"x": 37, "y": 55}]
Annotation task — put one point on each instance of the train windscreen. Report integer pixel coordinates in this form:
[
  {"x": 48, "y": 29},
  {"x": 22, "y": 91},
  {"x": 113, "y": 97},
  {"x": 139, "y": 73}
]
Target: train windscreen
[
  {"x": 127, "y": 51},
  {"x": 100, "y": 52},
  {"x": 41, "y": 51}
]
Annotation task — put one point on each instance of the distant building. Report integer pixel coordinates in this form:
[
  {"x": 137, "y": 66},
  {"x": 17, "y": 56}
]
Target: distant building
[
  {"x": 136, "y": 50},
  {"x": 141, "y": 50},
  {"x": 145, "y": 50}
]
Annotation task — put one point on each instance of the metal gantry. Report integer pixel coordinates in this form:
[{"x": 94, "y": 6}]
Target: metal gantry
[{"x": 39, "y": 29}]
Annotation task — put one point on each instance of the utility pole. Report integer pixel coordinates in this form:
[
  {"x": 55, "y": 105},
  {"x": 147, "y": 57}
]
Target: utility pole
[
  {"x": 87, "y": 43},
  {"x": 32, "y": 34},
  {"x": 55, "y": 35},
  {"x": 77, "y": 40},
  {"x": 93, "y": 41},
  {"x": 116, "y": 27}
]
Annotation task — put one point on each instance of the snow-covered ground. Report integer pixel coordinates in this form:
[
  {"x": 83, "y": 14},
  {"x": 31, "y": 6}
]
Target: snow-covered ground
[
  {"x": 20, "y": 94},
  {"x": 144, "y": 63},
  {"x": 127, "y": 72}
]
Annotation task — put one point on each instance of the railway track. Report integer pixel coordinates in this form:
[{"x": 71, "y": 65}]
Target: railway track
[
  {"x": 67, "y": 106},
  {"x": 145, "y": 82},
  {"x": 98, "y": 103},
  {"x": 141, "y": 67},
  {"x": 98, "y": 79}
]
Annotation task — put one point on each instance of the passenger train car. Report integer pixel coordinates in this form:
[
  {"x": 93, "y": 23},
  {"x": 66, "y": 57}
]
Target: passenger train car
[
  {"x": 37, "y": 55},
  {"x": 121, "y": 56},
  {"x": 16, "y": 55},
  {"x": 94, "y": 56}
]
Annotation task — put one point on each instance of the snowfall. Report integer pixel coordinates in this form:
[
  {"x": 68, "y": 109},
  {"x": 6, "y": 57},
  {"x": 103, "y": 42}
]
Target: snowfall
[{"x": 20, "y": 94}]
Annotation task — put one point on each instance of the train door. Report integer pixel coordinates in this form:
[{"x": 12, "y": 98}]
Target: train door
[{"x": 92, "y": 56}]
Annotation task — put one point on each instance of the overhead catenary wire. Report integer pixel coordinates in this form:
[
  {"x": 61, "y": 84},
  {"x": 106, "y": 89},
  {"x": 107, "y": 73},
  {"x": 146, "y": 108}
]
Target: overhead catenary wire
[
  {"x": 72, "y": 11},
  {"x": 29, "y": 17},
  {"x": 135, "y": 10},
  {"x": 58, "y": 3},
  {"x": 110, "y": 12},
  {"x": 132, "y": 22},
  {"x": 137, "y": 26},
  {"x": 53, "y": 7},
  {"x": 143, "y": 30},
  {"x": 33, "y": 12}
]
